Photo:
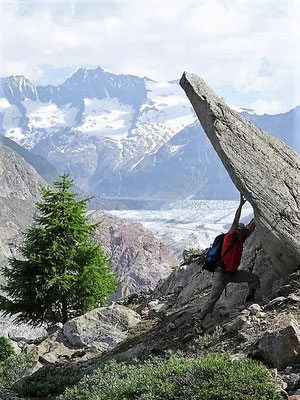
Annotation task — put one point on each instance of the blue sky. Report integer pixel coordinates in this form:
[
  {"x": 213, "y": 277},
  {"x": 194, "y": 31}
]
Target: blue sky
[{"x": 246, "y": 50}]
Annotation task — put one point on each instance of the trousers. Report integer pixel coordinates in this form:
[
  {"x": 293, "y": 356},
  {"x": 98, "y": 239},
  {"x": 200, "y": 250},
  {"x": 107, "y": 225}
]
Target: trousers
[{"x": 219, "y": 282}]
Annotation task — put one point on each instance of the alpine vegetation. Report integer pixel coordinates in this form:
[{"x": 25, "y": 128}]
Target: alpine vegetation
[{"x": 62, "y": 273}]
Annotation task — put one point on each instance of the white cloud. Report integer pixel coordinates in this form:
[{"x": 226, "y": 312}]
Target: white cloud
[
  {"x": 227, "y": 42},
  {"x": 266, "y": 106}
]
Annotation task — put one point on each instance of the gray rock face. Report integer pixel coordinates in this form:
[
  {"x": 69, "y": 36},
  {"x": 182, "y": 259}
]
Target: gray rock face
[
  {"x": 102, "y": 328},
  {"x": 282, "y": 348},
  {"x": 18, "y": 179},
  {"x": 138, "y": 258},
  {"x": 262, "y": 167}
]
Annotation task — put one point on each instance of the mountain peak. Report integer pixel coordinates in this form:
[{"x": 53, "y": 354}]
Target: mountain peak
[{"x": 16, "y": 88}]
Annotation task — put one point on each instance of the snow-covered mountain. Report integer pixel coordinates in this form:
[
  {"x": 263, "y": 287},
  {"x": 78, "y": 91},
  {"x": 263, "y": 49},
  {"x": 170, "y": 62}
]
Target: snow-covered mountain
[{"x": 121, "y": 135}]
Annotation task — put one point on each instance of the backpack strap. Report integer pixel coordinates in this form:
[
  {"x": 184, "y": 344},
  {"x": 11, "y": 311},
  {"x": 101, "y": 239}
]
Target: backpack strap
[{"x": 228, "y": 250}]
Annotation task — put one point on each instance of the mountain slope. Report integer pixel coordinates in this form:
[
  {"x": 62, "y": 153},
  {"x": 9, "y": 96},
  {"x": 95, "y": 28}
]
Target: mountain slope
[
  {"x": 20, "y": 189},
  {"x": 39, "y": 163}
]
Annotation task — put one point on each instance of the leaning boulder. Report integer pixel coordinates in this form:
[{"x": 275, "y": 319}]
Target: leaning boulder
[
  {"x": 103, "y": 328},
  {"x": 262, "y": 167},
  {"x": 282, "y": 348}
]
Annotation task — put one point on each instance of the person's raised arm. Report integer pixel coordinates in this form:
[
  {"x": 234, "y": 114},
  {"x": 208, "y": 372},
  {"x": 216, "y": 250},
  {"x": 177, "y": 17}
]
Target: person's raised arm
[{"x": 237, "y": 216}]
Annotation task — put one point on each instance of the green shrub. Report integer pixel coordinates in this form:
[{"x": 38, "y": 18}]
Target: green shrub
[
  {"x": 50, "y": 380},
  {"x": 207, "y": 339},
  {"x": 215, "y": 377},
  {"x": 6, "y": 349},
  {"x": 12, "y": 369}
]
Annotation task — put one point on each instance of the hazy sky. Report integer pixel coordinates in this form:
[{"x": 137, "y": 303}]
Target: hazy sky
[{"x": 247, "y": 50}]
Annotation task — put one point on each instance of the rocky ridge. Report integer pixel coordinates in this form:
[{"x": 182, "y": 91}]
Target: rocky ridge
[{"x": 138, "y": 258}]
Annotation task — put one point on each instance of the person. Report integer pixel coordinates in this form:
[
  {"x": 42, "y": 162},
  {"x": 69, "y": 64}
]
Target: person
[{"x": 227, "y": 271}]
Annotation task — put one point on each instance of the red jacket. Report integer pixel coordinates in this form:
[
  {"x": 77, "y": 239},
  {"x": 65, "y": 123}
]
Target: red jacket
[{"x": 233, "y": 258}]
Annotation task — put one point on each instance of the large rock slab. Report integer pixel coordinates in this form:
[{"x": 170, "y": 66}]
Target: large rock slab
[
  {"x": 262, "y": 167},
  {"x": 102, "y": 328}
]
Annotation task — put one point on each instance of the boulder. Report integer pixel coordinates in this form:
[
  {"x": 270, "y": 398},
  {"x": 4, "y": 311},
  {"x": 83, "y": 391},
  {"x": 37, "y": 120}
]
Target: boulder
[
  {"x": 282, "y": 348},
  {"x": 102, "y": 328},
  {"x": 262, "y": 167},
  {"x": 21, "y": 333}
]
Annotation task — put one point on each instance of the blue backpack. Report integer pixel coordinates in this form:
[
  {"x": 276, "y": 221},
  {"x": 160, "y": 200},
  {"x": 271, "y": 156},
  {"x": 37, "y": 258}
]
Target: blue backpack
[{"x": 213, "y": 257}]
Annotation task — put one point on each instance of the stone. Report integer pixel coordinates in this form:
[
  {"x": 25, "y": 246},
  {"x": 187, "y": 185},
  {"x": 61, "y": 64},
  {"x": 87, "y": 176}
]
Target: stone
[
  {"x": 254, "y": 309},
  {"x": 294, "y": 397},
  {"x": 243, "y": 336},
  {"x": 282, "y": 347},
  {"x": 292, "y": 381},
  {"x": 260, "y": 314},
  {"x": 160, "y": 308},
  {"x": 171, "y": 326},
  {"x": 102, "y": 328},
  {"x": 21, "y": 333},
  {"x": 54, "y": 328},
  {"x": 152, "y": 304},
  {"x": 262, "y": 167},
  {"x": 294, "y": 298},
  {"x": 54, "y": 349},
  {"x": 236, "y": 324},
  {"x": 246, "y": 313},
  {"x": 275, "y": 302}
]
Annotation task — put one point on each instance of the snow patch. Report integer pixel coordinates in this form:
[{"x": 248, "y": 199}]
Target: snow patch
[
  {"x": 4, "y": 103},
  {"x": 106, "y": 117},
  {"x": 15, "y": 134},
  {"x": 241, "y": 109},
  {"x": 168, "y": 110},
  {"x": 48, "y": 115}
]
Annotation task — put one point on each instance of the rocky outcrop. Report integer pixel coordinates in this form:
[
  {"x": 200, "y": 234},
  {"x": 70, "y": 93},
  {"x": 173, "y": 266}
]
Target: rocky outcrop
[
  {"x": 282, "y": 348},
  {"x": 102, "y": 328},
  {"x": 138, "y": 258},
  {"x": 262, "y": 167},
  {"x": 85, "y": 337}
]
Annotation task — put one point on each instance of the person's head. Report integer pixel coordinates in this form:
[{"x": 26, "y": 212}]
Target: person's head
[{"x": 242, "y": 231}]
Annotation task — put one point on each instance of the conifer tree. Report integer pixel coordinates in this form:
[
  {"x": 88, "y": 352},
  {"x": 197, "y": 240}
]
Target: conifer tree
[{"x": 62, "y": 273}]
